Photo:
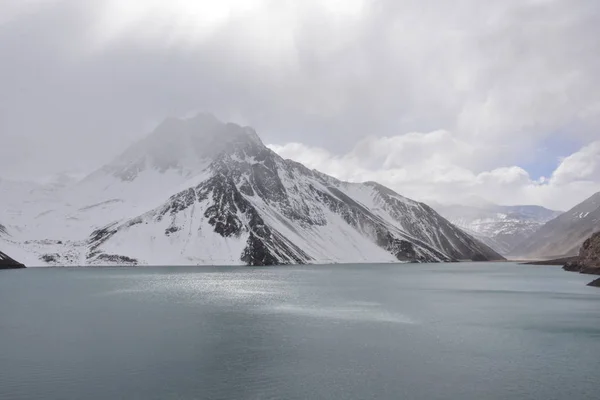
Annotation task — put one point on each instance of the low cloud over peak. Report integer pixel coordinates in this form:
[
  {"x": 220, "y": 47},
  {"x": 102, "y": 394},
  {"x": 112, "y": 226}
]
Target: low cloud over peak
[{"x": 486, "y": 86}]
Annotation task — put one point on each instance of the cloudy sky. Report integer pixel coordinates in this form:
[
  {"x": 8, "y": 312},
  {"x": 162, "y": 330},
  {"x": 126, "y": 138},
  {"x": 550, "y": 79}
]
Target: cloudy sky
[{"x": 440, "y": 100}]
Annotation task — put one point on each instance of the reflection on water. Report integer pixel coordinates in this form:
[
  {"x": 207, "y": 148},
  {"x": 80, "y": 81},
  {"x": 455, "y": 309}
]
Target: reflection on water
[
  {"x": 348, "y": 313},
  {"x": 467, "y": 331}
]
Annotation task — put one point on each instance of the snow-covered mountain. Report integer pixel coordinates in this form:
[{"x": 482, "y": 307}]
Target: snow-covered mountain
[
  {"x": 198, "y": 191},
  {"x": 500, "y": 227},
  {"x": 563, "y": 235}
]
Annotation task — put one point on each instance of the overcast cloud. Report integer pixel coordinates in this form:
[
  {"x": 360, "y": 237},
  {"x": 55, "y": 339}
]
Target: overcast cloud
[{"x": 437, "y": 99}]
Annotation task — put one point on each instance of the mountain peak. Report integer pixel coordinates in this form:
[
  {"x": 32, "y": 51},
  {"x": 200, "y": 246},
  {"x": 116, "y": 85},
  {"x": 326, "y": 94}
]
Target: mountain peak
[{"x": 185, "y": 145}]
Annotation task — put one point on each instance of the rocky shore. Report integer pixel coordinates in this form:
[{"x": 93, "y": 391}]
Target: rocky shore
[
  {"x": 595, "y": 283},
  {"x": 558, "y": 261},
  {"x": 588, "y": 261}
]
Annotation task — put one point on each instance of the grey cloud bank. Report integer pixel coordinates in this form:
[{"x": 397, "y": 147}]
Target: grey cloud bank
[{"x": 436, "y": 99}]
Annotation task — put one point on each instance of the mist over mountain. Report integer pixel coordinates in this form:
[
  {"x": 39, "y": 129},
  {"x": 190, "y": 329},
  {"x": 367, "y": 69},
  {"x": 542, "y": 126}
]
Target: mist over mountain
[{"x": 199, "y": 191}]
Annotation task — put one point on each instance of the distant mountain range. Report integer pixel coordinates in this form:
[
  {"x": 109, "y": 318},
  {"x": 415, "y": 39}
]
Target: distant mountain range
[
  {"x": 503, "y": 228},
  {"x": 199, "y": 191},
  {"x": 563, "y": 235},
  {"x": 527, "y": 232}
]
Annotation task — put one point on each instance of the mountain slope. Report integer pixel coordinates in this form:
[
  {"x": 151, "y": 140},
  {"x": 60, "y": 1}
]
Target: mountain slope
[
  {"x": 144, "y": 176},
  {"x": 501, "y": 227},
  {"x": 249, "y": 206},
  {"x": 564, "y": 235}
]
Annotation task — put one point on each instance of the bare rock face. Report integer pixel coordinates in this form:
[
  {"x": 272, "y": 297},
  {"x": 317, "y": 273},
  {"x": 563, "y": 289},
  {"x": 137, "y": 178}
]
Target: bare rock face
[
  {"x": 588, "y": 261},
  {"x": 8, "y": 263}
]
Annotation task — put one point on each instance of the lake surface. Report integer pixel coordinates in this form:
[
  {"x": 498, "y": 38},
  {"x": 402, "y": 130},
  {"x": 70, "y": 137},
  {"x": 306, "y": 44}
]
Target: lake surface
[{"x": 432, "y": 331}]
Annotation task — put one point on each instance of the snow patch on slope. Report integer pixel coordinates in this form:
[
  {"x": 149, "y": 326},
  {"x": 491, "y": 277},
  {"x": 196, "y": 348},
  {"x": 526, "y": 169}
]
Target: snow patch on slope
[{"x": 193, "y": 242}]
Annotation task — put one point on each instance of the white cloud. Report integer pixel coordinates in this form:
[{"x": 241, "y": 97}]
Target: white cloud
[
  {"x": 434, "y": 166},
  {"x": 583, "y": 166},
  {"x": 12, "y": 9},
  {"x": 491, "y": 81}
]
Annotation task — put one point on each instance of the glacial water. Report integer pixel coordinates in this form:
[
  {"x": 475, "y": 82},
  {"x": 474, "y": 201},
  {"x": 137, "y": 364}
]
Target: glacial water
[{"x": 432, "y": 331}]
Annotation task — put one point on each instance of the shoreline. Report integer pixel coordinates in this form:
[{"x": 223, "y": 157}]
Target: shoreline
[{"x": 556, "y": 261}]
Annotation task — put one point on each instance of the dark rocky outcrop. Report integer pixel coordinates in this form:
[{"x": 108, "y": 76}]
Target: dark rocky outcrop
[
  {"x": 8, "y": 263},
  {"x": 595, "y": 283},
  {"x": 117, "y": 259},
  {"x": 588, "y": 261},
  {"x": 50, "y": 258}
]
